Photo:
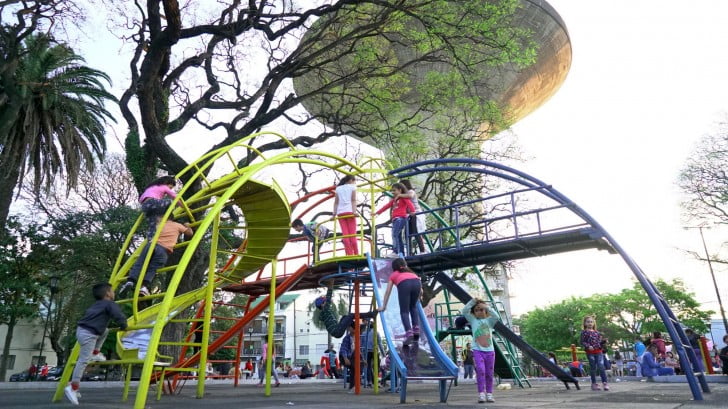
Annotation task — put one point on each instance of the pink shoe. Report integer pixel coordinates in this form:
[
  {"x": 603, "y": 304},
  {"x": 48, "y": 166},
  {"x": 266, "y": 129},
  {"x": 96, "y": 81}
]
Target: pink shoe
[
  {"x": 595, "y": 387},
  {"x": 605, "y": 386}
]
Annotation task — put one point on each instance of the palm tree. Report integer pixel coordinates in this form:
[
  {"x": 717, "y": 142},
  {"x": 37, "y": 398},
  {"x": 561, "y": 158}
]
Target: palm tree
[{"x": 52, "y": 117}]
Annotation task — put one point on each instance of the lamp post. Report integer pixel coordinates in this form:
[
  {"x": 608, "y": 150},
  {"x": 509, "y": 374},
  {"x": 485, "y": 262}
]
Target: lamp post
[
  {"x": 53, "y": 286},
  {"x": 712, "y": 275}
]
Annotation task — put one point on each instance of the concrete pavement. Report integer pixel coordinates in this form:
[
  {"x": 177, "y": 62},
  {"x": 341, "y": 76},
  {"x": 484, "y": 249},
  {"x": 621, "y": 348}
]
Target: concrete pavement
[{"x": 317, "y": 394}]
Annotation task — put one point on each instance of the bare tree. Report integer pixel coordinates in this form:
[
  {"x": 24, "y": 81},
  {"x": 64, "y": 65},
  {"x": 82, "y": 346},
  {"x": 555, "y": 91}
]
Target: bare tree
[{"x": 704, "y": 179}]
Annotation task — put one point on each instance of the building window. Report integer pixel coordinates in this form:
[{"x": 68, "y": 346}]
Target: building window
[
  {"x": 303, "y": 350},
  {"x": 10, "y": 361}
]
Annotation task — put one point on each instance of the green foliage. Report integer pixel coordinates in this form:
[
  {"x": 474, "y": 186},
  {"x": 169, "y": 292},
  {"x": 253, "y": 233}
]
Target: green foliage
[
  {"x": 135, "y": 159},
  {"x": 21, "y": 283},
  {"x": 59, "y": 124},
  {"x": 621, "y": 316}
]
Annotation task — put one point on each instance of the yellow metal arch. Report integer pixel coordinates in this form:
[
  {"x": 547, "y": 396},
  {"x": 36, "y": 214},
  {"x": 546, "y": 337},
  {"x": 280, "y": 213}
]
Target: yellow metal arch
[{"x": 266, "y": 230}]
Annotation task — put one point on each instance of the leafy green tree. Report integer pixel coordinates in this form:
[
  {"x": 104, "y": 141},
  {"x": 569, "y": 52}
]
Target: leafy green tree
[
  {"x": 52, "y": 119},
  {"x": 621, "y": 316},
  {"x": 21, "y": 282}
]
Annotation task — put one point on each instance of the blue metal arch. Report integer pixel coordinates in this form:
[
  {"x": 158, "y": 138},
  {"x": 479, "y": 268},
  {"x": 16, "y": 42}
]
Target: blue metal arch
[{"x": 686, "y": 354}]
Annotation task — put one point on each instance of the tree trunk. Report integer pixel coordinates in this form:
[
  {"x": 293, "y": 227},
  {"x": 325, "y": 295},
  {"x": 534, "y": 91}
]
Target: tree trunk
[
  {"x": 6, "y": 348},
  {"x": 8, "y": 182}
]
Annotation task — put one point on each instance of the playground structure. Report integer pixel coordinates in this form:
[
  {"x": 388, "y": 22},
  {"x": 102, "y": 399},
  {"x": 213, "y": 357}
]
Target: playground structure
[{"x": 524, "y": 218}]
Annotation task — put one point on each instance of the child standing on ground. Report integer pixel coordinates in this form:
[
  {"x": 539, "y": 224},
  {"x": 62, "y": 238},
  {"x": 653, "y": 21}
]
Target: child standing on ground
[
  {"x": 482, "y": 319},
  {"x": 91, "y": 333},
  {"x": 155, "y": 200},
  {"x": 401, "y": 208},
  {"x": 409, "y": 290},
  {"x": 591, "y": 341},
  {"x": 345, "y": 211}
]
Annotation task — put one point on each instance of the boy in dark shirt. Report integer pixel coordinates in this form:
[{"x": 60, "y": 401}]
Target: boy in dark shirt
[{"x": 91, "y": 333}]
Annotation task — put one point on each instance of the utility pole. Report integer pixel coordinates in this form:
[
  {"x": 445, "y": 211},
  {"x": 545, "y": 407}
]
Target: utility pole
[{"x": 712, "y": 275}]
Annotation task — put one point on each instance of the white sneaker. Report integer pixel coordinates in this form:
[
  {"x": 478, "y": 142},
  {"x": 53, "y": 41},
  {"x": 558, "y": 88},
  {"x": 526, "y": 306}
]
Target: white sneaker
[
  {"x": 97, "y": 357},
  {"x": 70, "y": 395},
  {"x": 481, "y": 398},
  {"x": 127, "y": 286},
  {"x": 144, "y": 291},
  {"x": 489, "y": 397}
]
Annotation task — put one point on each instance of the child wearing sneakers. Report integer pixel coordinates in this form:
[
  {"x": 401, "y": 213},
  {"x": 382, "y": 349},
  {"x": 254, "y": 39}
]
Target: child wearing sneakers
[
  {"x": 91, "y": 333},
  {"x": 164, "y": 247},
  {"x": 409, "y": 290},
  {"x": 482, "y": 319},
  {"x": 591, "y": 341}
]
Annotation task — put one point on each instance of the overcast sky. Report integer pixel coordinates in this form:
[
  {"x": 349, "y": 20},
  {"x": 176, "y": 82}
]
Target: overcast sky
[{"x": 647, "y": 81}]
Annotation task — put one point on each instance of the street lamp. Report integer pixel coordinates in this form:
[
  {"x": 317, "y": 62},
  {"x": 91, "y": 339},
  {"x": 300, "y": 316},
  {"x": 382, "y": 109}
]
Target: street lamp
[
  {"x": 712, "y": 274},
  {"x": 53, "y": 286}
]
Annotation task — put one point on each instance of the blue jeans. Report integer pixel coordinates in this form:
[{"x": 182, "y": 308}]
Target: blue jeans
[
  {"x": 596, "y": 361},
  {"x": 398, "y": 224},
  {"x": 158, "y": 260},
  {"x": 468, "y": 371}
]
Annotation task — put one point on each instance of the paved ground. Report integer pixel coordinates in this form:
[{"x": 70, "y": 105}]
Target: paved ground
[{"x": 317, "y": 394}]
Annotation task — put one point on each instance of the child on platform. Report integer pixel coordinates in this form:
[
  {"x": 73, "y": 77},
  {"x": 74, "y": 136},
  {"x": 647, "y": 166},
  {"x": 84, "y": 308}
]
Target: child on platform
[
  {"x": 316, "y": 234},
  {"x": 409, "y": 290},
  {"x": 91, "y": 333},
  {"x": 345, "y": 205},
  {"x": 591, "y": 340},
  {"x": 155, "y": 200},
  {"x": 482, "y": 319},
  {"x": 401, "y": 208}
]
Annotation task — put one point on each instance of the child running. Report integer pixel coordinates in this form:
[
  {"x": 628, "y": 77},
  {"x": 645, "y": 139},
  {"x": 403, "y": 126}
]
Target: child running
[
  {"x": 155, "y": 202},
  {"x": 409, "y": 290},
  {"x": 591, "y": 341},
  {"x": 91, "y": 333},
  {"x": 482, "y": 319},
  {"x": 401, "y": 208}
]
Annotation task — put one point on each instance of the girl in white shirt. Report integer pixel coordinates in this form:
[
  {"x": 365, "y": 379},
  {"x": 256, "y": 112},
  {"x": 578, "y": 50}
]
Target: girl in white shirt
[{"x": 345, "y": 210}]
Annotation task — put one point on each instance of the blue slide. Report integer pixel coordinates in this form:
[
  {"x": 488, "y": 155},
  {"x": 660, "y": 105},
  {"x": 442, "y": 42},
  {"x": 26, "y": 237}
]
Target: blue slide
[{"x": 424, "y": 359}]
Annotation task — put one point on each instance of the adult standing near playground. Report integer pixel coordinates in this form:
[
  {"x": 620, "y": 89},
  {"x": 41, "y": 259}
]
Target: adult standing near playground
[
  {"x": 639, "y": 351},
  {"x": 591, "y": 340},
  {"x": 468, "y": 363},
  {"x": 262, "y": 364},
  {"x": 695, "y": 344},
  {"x": 416, "y": 222},
  {"x": 723, "y": 355},
  {"x": 482, "y": 319},
  {"x": 660, "y": 344},
  {"x": 409, "y": 290},
  {"x": 345, "y": 210}
]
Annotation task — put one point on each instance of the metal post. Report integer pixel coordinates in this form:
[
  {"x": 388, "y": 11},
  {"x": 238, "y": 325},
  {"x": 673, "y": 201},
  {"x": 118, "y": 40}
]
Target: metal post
[
  {"x": 712, "y": 275},
  {"x": 53, "y": 285}
]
